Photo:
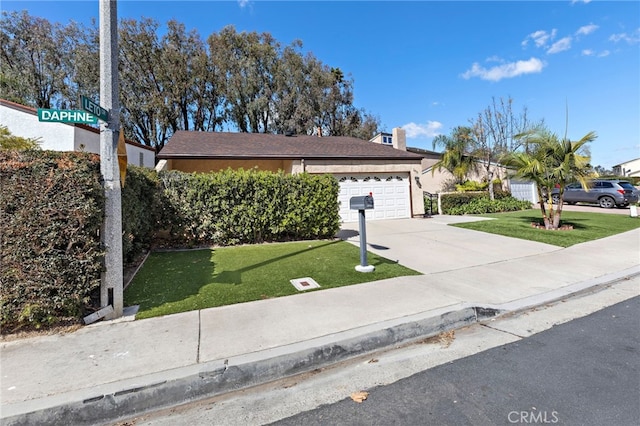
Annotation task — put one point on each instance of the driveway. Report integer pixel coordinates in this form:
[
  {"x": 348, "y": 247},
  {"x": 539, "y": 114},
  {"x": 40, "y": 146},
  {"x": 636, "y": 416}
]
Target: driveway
[{"x": 431, "y": 246}]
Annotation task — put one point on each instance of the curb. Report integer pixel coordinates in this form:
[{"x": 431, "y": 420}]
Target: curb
[
  {"x": 124, "y": 399},
  {"x": 128, "y": 398}
]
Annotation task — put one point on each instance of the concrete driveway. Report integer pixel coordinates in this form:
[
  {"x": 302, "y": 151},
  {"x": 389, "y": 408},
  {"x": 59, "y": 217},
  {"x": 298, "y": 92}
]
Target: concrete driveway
[{"x": 431, "y": 246}]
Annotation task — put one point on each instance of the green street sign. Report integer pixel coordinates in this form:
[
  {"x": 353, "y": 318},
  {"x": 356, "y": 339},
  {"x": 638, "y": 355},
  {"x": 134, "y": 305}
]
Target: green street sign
[
  {"x": 66, "y": 116},
  {"x": 95, "y": 109}
]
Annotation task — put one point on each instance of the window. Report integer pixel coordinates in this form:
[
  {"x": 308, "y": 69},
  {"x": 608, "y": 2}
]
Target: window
[{"x": 387, "y": 140}]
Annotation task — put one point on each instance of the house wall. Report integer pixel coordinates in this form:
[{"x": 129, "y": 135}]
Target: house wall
[
  {"x": 205, "y": 165},
  {"x": 630, "y": 168},
  {"x": 66, "y": 137},
  {"x": 52, "y": 136}
]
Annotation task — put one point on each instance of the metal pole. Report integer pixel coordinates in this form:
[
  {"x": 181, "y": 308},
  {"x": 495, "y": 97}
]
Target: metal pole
[
  {"x": 363, "y": 266},
  {"x": 111, "y": 290},
  {"x": 363, "y": 238}
]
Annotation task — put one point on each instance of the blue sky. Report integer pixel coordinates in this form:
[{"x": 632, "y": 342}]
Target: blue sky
[{"x": 429, "y": 66}]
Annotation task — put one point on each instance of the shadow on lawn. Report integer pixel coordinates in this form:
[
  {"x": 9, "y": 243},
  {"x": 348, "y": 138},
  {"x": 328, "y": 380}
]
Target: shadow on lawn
[
  {"x": 185, "y": 273},
  {"x": 235, "y": 276}
]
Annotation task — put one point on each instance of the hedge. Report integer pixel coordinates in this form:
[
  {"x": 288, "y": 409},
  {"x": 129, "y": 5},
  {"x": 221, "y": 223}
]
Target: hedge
[
  {"x": 239, "y": 206},
  {"x": 51, "y": 212},
  {"x": 52, "y": 209}
]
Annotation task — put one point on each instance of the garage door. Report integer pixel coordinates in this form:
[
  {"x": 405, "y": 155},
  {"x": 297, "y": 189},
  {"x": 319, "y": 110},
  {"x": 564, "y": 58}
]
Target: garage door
[{"x": 390, "y": 195}]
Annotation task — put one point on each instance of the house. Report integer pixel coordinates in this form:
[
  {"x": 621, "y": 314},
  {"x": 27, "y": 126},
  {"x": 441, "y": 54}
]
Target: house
[
  {"x": 629, "y": 168},
  {"x": 360, "y": 167},
  {"x": 23, "y": 121}
]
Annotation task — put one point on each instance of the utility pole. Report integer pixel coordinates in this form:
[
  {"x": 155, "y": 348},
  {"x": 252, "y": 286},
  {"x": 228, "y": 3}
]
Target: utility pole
[{"x": 111, "y": 289}]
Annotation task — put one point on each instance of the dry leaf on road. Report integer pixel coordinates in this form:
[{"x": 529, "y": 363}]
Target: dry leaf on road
[{"x": 359, "y": 396}]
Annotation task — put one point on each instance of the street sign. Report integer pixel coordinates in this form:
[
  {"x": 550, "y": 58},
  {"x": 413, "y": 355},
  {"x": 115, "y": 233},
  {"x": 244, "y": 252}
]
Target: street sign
[
  {"x": 95, "y": 109},
  {"x": 66, "y": 116}
]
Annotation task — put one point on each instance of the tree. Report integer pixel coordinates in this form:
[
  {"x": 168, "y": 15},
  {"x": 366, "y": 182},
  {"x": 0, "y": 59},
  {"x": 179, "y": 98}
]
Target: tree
[
  {"x": 494, "y": 133},
  {"x": 10, "y": 141},
  {"x": 456, "y": 158},
  {"x": 551, "y": 163}
]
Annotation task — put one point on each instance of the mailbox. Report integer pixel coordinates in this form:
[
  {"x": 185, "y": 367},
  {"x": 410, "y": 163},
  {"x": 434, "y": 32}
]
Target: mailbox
[{"x": 361, "y": 203}]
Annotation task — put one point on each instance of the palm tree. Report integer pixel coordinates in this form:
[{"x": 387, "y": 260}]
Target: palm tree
[
  {"x": 455, "y": 158},
  {"x": 551, "y": 163}
]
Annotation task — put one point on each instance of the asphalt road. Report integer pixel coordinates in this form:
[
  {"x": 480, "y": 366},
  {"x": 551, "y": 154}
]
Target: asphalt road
[{"x": 584, "y": 372}]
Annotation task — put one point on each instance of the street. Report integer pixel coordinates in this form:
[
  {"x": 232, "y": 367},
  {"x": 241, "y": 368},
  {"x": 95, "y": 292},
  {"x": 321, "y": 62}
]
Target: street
[
  {"x": 541, "y": 366},
  {"x": 584, "y": 372}
]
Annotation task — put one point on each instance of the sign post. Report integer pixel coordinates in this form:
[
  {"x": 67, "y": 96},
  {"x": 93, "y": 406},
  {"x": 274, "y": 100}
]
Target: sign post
[{"x": 111, "y": 289}]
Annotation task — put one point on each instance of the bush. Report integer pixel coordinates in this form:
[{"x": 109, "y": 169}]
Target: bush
[
  {"x": 485, "y": 205},
  {"x": 51, "y": 257},
  {"x": 239, "y": 206},
  {"x": 141, "y": 211}
]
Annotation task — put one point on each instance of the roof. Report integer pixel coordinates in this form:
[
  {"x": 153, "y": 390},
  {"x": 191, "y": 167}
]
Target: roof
[
  {"x": 226, "y": 145},
  {"x": 33, "y": 111}
]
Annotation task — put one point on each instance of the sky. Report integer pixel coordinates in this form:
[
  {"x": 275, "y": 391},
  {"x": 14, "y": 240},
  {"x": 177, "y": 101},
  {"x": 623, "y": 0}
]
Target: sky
[{"x": 430, "y": 66}]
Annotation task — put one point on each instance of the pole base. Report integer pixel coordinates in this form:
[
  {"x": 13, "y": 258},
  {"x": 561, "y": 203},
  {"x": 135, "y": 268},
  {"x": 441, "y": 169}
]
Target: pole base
[{"x": 367, "y": 268}]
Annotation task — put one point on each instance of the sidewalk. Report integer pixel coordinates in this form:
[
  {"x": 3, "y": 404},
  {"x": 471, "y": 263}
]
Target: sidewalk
[{"x": 121, "y": 368}]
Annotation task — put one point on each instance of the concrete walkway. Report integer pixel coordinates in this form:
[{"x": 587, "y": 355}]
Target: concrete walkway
[{"x": 118, "y": 369}]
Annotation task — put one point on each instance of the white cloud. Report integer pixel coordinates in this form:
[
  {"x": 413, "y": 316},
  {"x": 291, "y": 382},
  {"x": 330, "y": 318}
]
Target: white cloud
[
  {"x": 587, "y": 29},
  {"x": 508, "y": 70},
  {"x": 540, "y": 38},
  {"x": 560, "y": 45},
  {"x": 415, "y": 130},
  {"x": 580, "y": 1},
  {"x": 603, "y": 54},
  {"x": 243, "y": 3},
  {"x": 588, "y": 52},
  {"x": 629, "y": 38}
]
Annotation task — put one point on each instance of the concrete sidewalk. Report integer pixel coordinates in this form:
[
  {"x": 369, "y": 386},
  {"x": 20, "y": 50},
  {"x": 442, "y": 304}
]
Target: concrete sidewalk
[{"x": 114, "y": 370}]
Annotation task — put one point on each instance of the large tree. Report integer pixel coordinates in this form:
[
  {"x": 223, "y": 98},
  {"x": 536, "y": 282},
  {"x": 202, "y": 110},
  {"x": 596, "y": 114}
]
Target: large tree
[
  {"x": 552, "y": 163},
  {"x": 244, "y": 81}
]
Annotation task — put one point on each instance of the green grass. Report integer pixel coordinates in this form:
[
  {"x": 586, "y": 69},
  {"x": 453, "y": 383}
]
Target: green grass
[
  {"x": 586, "y": 226},
  {"x": 180, "y": 281}
]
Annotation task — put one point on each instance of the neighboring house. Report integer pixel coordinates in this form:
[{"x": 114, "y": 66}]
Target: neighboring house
[
  {"x": 629, "y": 168},
  {"x": 23, "y": 121},
  {"x": 360, "y": 167}
]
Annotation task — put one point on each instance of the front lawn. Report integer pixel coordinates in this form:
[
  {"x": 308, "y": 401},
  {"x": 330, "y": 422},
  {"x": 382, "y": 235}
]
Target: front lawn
[
  {"x": 586, "y": 226},
  {"x": 179, "y": 281}
]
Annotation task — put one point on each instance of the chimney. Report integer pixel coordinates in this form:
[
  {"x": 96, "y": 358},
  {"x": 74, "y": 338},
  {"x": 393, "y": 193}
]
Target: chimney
[
  {"x": 319, "y": 131},
  {"x": 399, "y": 138}
]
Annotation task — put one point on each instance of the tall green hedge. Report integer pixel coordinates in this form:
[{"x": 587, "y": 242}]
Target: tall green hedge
[
  {"x": 240, "y": 206},
  {"x": 51, "y": 211}
]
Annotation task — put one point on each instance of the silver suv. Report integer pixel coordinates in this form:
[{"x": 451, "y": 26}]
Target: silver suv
[{"x": 606, "y": 193}]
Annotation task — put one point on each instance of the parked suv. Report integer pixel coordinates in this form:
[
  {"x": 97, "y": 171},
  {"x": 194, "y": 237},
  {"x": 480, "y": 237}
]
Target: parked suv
[{"x": 606, "y": 193}]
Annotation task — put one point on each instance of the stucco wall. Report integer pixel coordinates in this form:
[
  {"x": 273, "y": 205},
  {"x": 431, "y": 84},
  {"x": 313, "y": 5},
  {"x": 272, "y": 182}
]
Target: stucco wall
[
  {"x": 203, "y": 166},
  {"x": 66, "y": 137},
  {"x": 53, "y": 136}
]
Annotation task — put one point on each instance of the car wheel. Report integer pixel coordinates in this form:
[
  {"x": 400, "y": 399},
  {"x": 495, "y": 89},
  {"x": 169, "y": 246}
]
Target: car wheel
[
  {"x": 571, "y": 203},
  {"x": 555, "y": 198},
  {"x": 606, "y": 202}
]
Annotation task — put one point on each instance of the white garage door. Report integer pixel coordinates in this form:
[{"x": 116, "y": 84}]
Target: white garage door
[{"x": 390, "y": 195}]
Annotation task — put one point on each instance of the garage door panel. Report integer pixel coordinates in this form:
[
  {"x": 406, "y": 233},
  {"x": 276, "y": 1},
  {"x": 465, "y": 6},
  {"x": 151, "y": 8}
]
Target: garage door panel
[{"x": 390, "y": 194}]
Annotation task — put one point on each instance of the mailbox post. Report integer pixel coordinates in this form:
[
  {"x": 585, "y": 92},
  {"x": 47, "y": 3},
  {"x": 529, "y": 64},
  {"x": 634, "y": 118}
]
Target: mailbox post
[{"x": 361, "y": 204}]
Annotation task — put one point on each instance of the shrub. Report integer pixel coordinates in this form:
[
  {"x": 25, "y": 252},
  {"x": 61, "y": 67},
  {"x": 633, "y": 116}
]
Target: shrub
[
  {"x": 240, "y": 206},
  {"x": 51, "y": 257},
  {"x": 141, "y": 211},
  {"x": 485, "y": 205}
]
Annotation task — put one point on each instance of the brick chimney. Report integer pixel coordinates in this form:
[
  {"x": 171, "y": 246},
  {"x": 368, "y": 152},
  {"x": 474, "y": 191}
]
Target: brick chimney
[{"x": 399, "y": 138}]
